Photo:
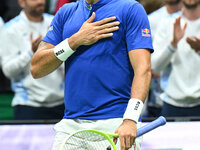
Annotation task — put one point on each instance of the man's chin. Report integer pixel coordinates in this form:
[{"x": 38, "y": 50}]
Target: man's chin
[
  {"x": 37, "y": 14},
  {"x": 172, "y": 2},
  {"x": 190, "y": 6}
]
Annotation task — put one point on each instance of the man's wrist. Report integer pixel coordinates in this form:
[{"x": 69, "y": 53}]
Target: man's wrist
[
  {"x": 74, "y": 41},
  {"x": 62, "y": 51},
  {"x": 133, "y": 110},
  {"x": 128, "y": 120},
  {"x": 174, "y": 43}
]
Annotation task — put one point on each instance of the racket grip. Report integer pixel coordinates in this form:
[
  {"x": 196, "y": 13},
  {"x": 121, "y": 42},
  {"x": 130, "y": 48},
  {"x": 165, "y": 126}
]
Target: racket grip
[{"x": 150, "y": 126}]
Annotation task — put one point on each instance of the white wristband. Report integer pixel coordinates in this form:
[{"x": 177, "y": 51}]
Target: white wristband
[
  {"x": 133, "y": 110},
  {"x": 62, "y": 51}
]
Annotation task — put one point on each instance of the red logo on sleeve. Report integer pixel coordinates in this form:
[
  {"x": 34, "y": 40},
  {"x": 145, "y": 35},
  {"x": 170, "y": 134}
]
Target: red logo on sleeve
[{"x": 146, "y": 32}]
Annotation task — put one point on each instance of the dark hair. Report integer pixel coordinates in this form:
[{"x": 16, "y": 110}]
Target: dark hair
[{"x": 151, "y": 5}]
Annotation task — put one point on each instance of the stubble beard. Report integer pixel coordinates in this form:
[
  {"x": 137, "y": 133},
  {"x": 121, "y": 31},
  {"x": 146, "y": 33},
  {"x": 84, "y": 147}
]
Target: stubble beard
[{"x": 190, "y": 6}]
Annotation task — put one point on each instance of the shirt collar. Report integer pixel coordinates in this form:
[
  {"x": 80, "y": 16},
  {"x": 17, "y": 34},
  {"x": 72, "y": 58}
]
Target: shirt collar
[{"x": 98, "y": 4}]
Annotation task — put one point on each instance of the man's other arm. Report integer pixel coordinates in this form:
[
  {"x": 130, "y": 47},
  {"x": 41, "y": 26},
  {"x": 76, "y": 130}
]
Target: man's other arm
[{"x": 141, "y": 63}]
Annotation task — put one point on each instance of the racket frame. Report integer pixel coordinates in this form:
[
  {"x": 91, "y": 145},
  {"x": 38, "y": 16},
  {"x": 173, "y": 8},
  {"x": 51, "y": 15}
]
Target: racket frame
[
  {"x": 144, "y": 129},
  {"x": 107, "y": 136}
]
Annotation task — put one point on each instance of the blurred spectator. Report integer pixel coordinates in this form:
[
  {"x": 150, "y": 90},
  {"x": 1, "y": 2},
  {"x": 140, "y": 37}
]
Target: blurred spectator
[
  {"x": 60, "y": 3},
  {"x": 151, "y": 5},
  {"x": 1, "y": 26},
  {"x": 50, "y": 6},
  {"x": 177, "y": 41},
  {"x": 33, "y": 99},
  {"x": 9, "y": 9},
  {"x": 4, "y": 82},
  {"x": 170, "y": 7},
  {"x": 159, "y": 81}
]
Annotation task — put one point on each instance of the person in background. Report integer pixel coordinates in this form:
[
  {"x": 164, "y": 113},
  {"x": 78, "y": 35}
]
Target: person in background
[
  {"x": 5, "y": 83},
  {"x": 1, "y": 28},
  {"x": 182, "y": 35},
  {"x": 50, "y": 6},
  {"x": 106, "y": 47},
  {"x": 170, "y": 7},
  {"x": 159, "y": 81},
  {"x": 9, "y": 9},
  {"x": 33, "y": 99},
  {"x": 151, "y": 5}
]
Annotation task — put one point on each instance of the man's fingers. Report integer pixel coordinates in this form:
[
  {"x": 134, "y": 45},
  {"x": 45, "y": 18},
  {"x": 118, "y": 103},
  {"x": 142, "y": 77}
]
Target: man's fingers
[
  {"x": 38, "y": 39},
  {"x": 128, "y": 142},
  {"x": 108, "y": 30},
  {"x": 104, "y": 21},
  {"x": 185, "y": 26},
  {"x": 108, "y": 25},
  {"x": 178, "y": 20},
  {"x": 189, "y": 40},
  {"x": 196, "y": 39},
  {"x": 91, "y": 19},
  {"x": 31, "y": 36},
  {"x": 122, "y": 143},
  {"x": 102, "y": 36}
]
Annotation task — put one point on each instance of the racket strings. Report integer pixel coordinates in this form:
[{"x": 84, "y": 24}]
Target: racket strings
[{"x": 87, "y": 141}]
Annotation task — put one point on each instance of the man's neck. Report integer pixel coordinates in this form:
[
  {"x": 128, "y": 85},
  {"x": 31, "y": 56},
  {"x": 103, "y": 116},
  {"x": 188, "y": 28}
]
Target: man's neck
[
  {"x": 33, "y": 18},
  {"x": 191, "y": 14},
  {"x": 91, "y": 1},
  {"x": 173, "y": 8}
]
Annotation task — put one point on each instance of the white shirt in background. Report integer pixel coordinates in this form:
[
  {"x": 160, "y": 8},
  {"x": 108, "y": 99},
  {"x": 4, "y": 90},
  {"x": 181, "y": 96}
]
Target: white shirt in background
[
  {"x": 183, "y": 89},
  {"x": 17, "y": 54},
  {"x": 156, "y": 17}
]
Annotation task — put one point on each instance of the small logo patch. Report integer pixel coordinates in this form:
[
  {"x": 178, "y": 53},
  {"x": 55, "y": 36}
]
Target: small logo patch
[
  {"x": 60, "y": 52},
  {"x": 136, "y": 106},
  {"x": 146, "y": 32}
]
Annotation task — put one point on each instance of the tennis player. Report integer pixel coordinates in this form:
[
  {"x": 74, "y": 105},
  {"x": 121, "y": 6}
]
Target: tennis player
[{"x": 106, "y": 46}]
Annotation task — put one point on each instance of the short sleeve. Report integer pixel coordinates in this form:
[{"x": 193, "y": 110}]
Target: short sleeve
[
  {"x": 54, "y": 35},
  {"x": 138, "y": 33}
]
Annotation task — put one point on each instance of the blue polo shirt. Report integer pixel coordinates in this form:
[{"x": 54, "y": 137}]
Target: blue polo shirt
[{"x": 98, "y": 77}]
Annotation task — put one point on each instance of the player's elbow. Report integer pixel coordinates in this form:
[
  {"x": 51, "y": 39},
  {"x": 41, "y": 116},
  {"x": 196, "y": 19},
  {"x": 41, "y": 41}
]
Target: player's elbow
[
  {"x": 144, "y": 71},
  {"x": 35, "y": 72},
  {"x": 35, "y": 68}
]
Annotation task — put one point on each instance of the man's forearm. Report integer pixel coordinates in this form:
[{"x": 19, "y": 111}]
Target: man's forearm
[
  {"x": 139, "y": 90},
  {"x": 44, "y": 62},
  {"x": 140, "y": 84}
]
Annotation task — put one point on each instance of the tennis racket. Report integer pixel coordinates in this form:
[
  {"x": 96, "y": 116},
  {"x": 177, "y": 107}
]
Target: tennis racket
[{"x": 90, "y": 139}]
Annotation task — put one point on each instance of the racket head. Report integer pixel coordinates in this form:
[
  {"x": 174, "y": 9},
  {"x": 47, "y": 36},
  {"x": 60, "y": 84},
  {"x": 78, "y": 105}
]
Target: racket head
[{"x": 89, "y": 139}]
